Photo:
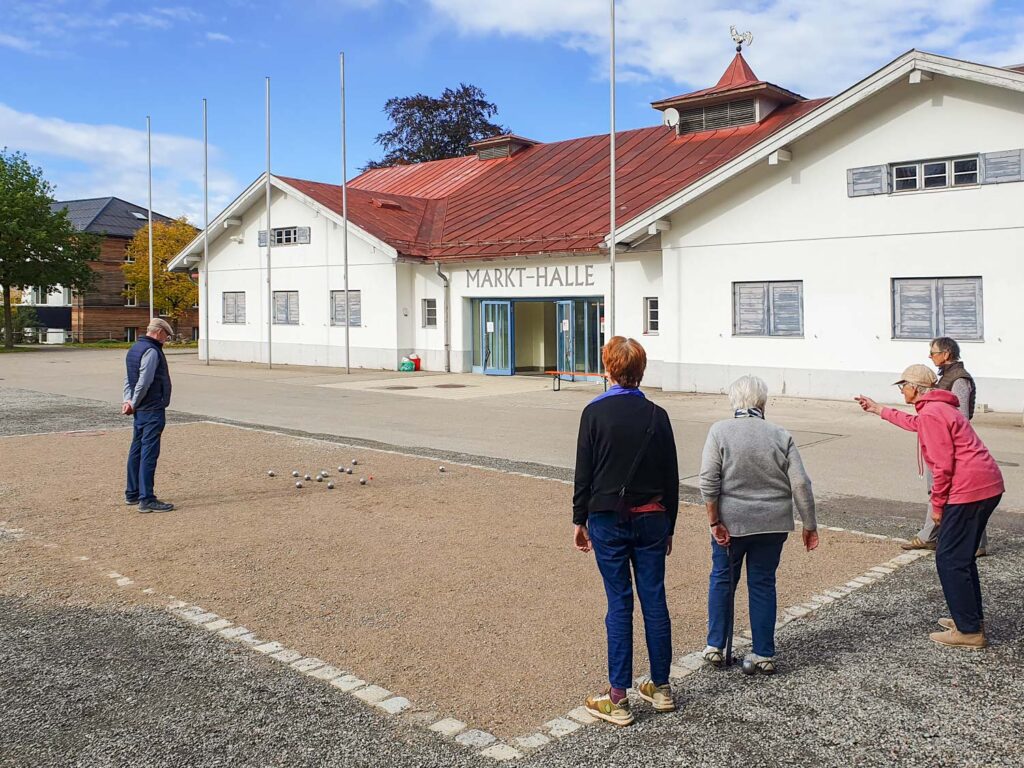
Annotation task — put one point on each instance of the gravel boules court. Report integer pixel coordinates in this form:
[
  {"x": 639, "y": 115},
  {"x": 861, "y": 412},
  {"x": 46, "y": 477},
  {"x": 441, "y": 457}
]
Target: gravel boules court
[{"x": 457, "y": 588}]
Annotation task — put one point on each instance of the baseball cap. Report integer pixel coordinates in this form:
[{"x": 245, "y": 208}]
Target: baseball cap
[{"x": 919, "y": 375}]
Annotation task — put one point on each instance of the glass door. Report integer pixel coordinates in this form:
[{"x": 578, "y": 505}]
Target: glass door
[
  {"x": 566, "y": 338},
  {"x": 496, "y": 331},
  {"x": 595, "y": 335}
]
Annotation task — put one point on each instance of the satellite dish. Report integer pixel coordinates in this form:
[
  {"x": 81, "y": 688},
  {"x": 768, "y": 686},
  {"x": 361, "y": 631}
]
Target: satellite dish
[{"x": 670, "y": 117}]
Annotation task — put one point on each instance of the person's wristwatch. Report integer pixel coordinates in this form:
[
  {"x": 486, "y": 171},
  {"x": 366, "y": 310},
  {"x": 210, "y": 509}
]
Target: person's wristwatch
[{"x": 716, "y": 524}]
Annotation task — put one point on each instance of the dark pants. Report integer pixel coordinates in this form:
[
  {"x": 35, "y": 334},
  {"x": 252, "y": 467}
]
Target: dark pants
[
  {"x": 959, "y": 536},
  {"x": 762, "y": 552},
  {"x": 639, "y": 543},
  {"x": 142, "y": 456}
]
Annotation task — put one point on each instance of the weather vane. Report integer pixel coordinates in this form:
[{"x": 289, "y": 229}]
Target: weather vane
[{"x": 741, "y": 38}]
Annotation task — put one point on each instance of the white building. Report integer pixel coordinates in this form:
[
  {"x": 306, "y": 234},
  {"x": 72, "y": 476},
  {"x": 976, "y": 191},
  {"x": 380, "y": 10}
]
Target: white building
[{"x": 819, "y": 244}]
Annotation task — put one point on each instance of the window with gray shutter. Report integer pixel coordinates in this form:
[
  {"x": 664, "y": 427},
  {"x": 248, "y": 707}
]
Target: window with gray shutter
[
  {"x": 716, "y": 116},
  {"x": 924, "y": 308},
  {"x": 338, "y": 308},
  {"x": 233, "y": 308},
  {"x": 1001, "y": 167},
  {"x": 286, "y": 307},
  {"x": 285, "y": 236},
  {"x": 768, "y": 308},
  {"x": 428, "y": 312},
  {"x": 869, "y": 180}
]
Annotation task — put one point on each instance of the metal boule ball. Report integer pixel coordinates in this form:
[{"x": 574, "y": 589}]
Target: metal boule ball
[
  {"x": 362, "y": 481},
  {"x": 341, "y": 469},
  {"x": 295, "y": 473},
  {"x": 354, "y": 462},
  {"x": 749, "y": 667},
  {"x": 330, "y": 486},
  {"x": 271, "y": 473},
  {"x": 319, "y": 478},
  {"x": 298, "y": 484},
  {"x": 308, "y": 477},
  {"x": 441, "y": 469},
  {"x": 348, "y": 471}
]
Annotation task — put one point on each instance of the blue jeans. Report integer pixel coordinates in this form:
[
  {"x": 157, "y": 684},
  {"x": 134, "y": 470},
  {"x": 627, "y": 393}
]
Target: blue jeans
[
  {"x": 763, "y": 552},
  {"x": 960, "y": 534},
  {"x": 142, "y": 456},
  {"x": 641, "y": 543}
]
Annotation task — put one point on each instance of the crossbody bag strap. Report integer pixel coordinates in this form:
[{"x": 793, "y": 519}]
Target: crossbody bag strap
[{"x": 640, "y": 454}]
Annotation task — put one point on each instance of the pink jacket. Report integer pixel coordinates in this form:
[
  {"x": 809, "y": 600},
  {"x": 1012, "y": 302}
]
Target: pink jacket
[{"x": 964, "y": 470}]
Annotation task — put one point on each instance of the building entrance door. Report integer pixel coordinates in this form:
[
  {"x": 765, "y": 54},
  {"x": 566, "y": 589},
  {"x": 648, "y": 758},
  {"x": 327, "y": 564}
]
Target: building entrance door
[
  {"x": 566, "y": 336},
  {"x": 496, "y": 332}
]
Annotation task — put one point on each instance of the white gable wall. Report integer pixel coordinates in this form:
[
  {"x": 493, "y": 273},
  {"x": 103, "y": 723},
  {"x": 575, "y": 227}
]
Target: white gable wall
[
  {"x": 314, "y": 270},
  {"x": 795, "y": 222}
]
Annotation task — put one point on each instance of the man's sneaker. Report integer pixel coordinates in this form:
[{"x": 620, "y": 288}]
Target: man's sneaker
[
  {"x": 948, "y": 623},
  {"x": 155, "y": 505},
  {"x": 954, "y": 638},
  {"x": 916, "y": 543},
  {"x": 606, "y": 709},
  {"x": 659, "y": 695},
  {"x": 130, "y": 502},
  {"x": 713, "y": 656}
]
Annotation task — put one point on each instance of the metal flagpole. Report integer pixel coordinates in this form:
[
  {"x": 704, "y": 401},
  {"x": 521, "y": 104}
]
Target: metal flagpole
[
  {"x": 206, "y": 238},
  {"x": 611, "y": 161},
  {"x": 270, "y": 293},
  {"x": 344, "y": 215},
  {"x": 149, "y": 153}
]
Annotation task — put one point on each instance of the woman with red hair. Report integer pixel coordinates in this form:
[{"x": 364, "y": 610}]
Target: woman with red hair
[{"x": 624, "y": 509}]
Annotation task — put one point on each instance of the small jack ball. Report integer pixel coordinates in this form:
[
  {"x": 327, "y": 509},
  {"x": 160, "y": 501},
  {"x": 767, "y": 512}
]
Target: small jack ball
[
  {"x": 295, "y": 473},
  {"x": 441, "y": 469},
  {"x": 298, "y": 485},
  {"x": 271, "y": 473},
  {"x": 354, "y": 462},
  {"x": 749, "y": 667},
  {"x": 362, "y": 481},
  {"x": 330, "y": 486}
]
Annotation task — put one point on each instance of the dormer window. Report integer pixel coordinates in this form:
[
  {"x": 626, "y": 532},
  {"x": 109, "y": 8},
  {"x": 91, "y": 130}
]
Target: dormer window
[
  {"x": 727, "y": 115},
  {"x": 496, "y": 147}
]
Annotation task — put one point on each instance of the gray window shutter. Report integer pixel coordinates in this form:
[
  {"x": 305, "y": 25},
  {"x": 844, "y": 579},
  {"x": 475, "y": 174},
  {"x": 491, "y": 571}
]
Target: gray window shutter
[
  {"x": 1000, "y": 167},
  {"x": 227, "y": 308},
  {"x": 355, "y": 306},
  {"x": 263, "y": 238},
  {"x": 960, "y": 303},
  {"x": 869, "y": 180},
  {"x": 280, "y": 307},
  {"x": 750, "y": 309},
  {"x": 302, "y": 234},
  {"x": 787, "y": 309},
  {"x": 293, "y": 307},
  {"x": 914, "y": 309},
  {"x": 239, "y": 307}
]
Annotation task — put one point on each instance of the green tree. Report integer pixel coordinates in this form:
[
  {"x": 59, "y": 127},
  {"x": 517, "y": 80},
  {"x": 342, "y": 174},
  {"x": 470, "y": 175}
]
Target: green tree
[
  {"x": 38, "y": 246},
  {"x": 427, "y": 128},
  {"x": 174, "y": 294}
]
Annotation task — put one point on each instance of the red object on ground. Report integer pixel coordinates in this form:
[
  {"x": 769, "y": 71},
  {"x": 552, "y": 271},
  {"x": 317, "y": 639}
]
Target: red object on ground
[{"x": 415, "y": 361}]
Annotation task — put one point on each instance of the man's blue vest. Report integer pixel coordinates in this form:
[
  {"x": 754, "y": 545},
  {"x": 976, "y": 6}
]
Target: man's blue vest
[{"x": 158, "y": 396}]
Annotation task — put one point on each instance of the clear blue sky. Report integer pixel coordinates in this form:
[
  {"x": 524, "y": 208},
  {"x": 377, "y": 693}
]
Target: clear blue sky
[{"x": 78, "y": 77}]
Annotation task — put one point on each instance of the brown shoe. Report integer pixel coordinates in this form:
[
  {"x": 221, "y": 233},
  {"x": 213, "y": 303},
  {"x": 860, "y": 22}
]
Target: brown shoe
[
  {"x": 982, "y": 552},
  {"x": 916, "y": 543},
  {"x": 948, "y": 623},
  {"x": 954, "y": 638}
]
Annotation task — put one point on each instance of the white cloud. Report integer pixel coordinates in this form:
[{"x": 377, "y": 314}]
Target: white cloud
[
  {"x": 84, "y": 160},
  {"x": 219, "y": 37},
  {"x": 817, "y": 47},
  {"x": 17, "y": 43}
]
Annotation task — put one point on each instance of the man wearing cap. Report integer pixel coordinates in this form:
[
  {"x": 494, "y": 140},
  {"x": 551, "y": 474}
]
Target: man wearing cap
[
  {"x": 147, "y": 393},
  {"x": 966, "y": 489}
]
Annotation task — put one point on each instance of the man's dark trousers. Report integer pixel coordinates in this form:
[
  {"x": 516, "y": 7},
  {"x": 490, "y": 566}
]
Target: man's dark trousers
[
  {"x": 959, "y": 536},
  {"x": 142, "y": 456}
]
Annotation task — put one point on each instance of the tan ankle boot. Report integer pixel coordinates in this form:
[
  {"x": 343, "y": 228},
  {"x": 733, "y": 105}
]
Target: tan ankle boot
[
  {"x": 954, "y": 638},
  {"x": 948, "y": 623}
]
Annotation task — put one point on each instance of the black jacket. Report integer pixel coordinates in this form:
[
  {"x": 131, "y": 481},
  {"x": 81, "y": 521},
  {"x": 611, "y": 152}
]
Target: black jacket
[{"x": 611, "y": 432}]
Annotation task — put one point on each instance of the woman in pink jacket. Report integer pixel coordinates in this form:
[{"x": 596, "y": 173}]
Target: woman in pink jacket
[{"x": 967, "y": 488}]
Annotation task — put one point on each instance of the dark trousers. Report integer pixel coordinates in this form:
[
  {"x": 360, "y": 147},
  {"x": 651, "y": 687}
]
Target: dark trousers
[
  {"x": 634, "y": 549},
  {"x": 960, "y": 533},
  {"x": 142, "y": 456},
  {"x": 762, "y": 552}
]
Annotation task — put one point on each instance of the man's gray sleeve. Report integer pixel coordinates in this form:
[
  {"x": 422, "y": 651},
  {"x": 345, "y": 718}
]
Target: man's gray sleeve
[
  {"x": 127, "y": 390},
  {"x": 962, "y": 389},
  {"x": 147, "y": 372}
]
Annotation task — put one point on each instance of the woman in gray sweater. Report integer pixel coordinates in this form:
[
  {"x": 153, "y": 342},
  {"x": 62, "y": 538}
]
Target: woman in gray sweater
[{"x": 752, "y": 478}]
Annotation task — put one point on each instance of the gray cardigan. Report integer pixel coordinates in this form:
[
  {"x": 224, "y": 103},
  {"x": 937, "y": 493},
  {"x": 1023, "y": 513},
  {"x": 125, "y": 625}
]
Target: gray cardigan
[{"x": 753, "y": 470}]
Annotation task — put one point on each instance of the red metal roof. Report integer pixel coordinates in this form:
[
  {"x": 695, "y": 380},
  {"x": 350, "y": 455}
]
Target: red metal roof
[
  {"x": 737, "y": 79},
  {"x": 548, "y": 198}
]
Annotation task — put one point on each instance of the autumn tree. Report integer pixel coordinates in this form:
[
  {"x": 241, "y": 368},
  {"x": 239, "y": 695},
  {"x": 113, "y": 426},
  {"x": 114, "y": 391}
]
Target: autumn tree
[
  {"x": 174, "y": 294},
  {"x": 38, "y": 246},
  {"x": 427, "y": 128}
]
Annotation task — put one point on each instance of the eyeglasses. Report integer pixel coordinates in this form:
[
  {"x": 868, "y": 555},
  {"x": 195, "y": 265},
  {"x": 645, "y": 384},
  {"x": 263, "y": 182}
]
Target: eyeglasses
[{"x": 934, "y": 354}]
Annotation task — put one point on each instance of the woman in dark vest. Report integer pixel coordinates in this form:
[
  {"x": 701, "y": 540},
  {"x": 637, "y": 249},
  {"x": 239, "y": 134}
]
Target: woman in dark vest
[{"x": 624, "y": 509}]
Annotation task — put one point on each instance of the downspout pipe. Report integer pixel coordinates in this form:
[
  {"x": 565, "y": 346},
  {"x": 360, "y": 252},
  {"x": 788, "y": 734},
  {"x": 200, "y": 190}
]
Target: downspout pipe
[{"x": 447, "y": 318}]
